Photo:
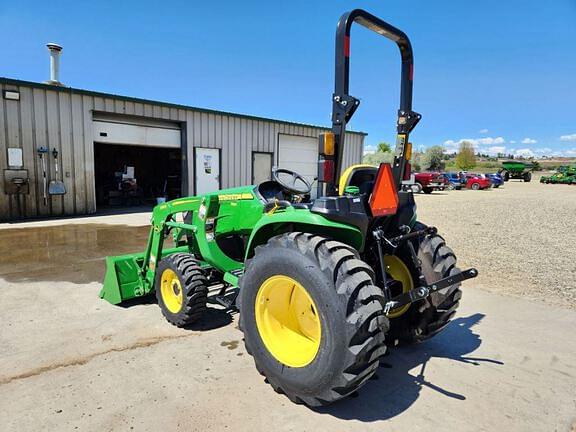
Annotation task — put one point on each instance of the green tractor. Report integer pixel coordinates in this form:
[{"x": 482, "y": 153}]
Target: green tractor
[
  {"x": 564, "y": 175},
  {"x": 322, "y": 286},
  {"x": 516, "y": 170}
]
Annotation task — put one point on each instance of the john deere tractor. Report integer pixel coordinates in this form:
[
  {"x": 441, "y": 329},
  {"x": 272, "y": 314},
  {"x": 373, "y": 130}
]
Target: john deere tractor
[{"x": 323, "y": 286}]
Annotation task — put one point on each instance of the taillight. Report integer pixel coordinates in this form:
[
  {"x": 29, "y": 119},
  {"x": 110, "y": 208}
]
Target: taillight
[
  {"x": 407, "y": 171},
  {"x": 326, "y": 170},
  {"x": 384, "y": 198}
]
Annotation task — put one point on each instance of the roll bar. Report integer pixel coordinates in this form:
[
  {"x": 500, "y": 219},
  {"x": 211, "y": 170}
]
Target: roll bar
[{"x": 344, "y": 105}]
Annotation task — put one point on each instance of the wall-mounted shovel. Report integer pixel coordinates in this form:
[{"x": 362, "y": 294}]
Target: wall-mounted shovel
[
  {"x": 56, "y": 187},
  {"x": 41, "y": 152}
]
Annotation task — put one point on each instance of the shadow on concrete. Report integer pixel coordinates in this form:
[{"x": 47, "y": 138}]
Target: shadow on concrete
[
  {"x": 395, "y": 389},
  {"x": 214, "y": 318}
]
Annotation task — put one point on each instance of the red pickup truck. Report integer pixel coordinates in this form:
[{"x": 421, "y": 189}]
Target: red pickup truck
[{"x": 427, "y": 182}]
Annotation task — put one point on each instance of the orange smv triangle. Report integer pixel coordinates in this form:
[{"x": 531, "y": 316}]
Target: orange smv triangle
[{"x": 384, "y": 198}]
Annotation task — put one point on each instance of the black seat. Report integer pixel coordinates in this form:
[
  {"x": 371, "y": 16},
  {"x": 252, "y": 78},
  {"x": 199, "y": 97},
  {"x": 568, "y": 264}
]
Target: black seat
[
  {"x": 361, "y": 176},
  {"x": 366, "y": 187}
]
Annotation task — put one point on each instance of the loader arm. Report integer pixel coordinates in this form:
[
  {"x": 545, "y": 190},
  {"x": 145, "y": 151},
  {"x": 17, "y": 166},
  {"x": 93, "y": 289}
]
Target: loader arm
[{"x": 133, "y": 275}]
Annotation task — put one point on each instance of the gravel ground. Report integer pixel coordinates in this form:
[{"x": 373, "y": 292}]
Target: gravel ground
[{"x": 521, "y": 233}]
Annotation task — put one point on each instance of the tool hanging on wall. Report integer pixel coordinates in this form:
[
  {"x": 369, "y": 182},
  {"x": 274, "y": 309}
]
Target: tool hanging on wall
[
  {"x": 41, "y": 152},
  {"x": 56, "y": 186}
]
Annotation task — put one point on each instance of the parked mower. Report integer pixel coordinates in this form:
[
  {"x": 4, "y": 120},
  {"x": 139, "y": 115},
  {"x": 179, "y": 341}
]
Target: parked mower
[
  {"x": 322, "y": 286},
  {"x": 516, "y": 170}
]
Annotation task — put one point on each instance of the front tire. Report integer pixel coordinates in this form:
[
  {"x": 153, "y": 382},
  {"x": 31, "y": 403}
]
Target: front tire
[
  {"x": 428, "y": 317},
  {"x": 475, "y": 186},
  {"x": 181, "y": 289},
  {"x": 527, "y": 177},
  {"x": 343, "y": 317}
]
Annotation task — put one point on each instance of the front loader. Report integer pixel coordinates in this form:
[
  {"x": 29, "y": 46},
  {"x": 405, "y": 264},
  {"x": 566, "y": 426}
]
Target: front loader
[{"x": 323, "y": 286}]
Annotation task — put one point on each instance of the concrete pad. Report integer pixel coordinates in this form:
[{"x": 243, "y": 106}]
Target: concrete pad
[
  {"x": 501, "y": 365},
  {"x": 70, "y": 361}
]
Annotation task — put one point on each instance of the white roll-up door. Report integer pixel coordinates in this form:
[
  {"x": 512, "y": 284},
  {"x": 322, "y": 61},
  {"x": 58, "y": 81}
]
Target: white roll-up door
[
  {"x": 134, "y": 134},
  {"x": 300, "y": 154}
]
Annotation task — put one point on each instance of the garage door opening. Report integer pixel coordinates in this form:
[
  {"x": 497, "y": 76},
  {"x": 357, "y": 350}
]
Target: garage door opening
[{"x": 129, "y": 176}]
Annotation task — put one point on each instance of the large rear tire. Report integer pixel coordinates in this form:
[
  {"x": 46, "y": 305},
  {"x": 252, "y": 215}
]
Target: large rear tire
[
  {"x": 181, "y": 289},
  {"x": 428, "y": 317},
  {"x": 312, "y": 318}
]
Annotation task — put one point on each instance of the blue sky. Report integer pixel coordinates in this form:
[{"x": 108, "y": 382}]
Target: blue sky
[{"x": 501, "y": 73}]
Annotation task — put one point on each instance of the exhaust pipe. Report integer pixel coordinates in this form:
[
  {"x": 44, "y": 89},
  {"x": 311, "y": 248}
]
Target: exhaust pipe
[{"x": 55, "y": 51}]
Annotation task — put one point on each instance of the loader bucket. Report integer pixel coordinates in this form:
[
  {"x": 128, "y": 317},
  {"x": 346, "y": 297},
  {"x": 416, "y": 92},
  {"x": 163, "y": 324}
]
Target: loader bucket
[{"x": 123, "y": 280}]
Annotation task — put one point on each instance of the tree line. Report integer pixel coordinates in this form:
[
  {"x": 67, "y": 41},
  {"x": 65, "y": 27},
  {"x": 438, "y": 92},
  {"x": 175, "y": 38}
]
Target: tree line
[{"x": 432, "y": 159}]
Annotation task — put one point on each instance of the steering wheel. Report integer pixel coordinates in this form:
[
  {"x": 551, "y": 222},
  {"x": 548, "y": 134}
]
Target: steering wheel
[{"x": 290, "y": 181}]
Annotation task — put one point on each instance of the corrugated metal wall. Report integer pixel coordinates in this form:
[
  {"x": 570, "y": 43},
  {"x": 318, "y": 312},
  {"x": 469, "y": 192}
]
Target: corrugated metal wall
[{"x": 62, "y": 119}]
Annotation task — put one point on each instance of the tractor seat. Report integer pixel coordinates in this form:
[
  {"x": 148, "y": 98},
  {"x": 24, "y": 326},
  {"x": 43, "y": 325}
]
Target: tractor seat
[
  {"x": 361, "y": 176},
  {"x": 366, "y": 187}
]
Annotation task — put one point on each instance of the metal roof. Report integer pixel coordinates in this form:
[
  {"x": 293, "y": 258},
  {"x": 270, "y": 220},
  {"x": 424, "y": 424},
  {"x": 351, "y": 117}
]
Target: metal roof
[{"x": 15, "y": 82}]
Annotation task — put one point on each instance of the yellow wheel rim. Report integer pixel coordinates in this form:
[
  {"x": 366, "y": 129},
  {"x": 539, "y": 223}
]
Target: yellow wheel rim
[
  {"x": 171, "y": 290},
  {"x": 288, "y": 321},
  {"x": 398, "y": 271}
]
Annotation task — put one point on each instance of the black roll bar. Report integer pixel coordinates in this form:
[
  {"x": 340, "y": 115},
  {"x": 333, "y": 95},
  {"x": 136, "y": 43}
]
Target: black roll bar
[{"x": 344, "y": 105}]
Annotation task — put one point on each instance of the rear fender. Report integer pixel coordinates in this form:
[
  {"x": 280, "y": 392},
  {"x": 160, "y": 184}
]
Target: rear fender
[{"x": 291, "y": 220}]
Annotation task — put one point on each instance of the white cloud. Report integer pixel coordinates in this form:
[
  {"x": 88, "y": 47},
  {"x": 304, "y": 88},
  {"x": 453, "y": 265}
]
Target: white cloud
[
  {"x": 571, "y": 137},
  {"x": 491, "y": 141},
  {"x": 475, "y": 141},
  {"x": 483, "y": 131},
  {"x": 495, "y": 145},
  {"x": 526, "y": 152},
  {"x": 369, "y": 149},
  {"x": 494, "y": 150}
]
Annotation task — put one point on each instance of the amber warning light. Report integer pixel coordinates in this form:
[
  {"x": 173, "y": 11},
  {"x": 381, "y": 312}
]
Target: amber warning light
[{"x": 384, "y": 198}]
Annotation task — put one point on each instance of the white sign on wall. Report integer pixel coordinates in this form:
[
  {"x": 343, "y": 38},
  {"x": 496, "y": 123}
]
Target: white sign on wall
[{"x": 15, "y": 157}]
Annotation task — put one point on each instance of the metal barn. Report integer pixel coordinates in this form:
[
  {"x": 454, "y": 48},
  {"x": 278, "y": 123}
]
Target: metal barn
[{"x": 102, "y": 141}]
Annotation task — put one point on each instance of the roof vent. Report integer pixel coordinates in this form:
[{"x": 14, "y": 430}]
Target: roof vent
[{"x": 55, "y": 51}]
